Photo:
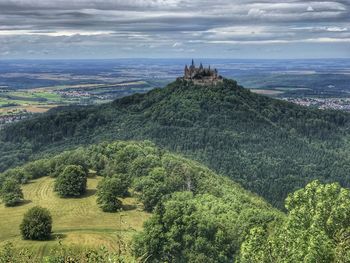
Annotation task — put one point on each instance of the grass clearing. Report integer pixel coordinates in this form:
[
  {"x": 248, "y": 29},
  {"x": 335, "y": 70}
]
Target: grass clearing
[
  {"x": 39, "y": 108},
  {"x": 77, "y": 222}
]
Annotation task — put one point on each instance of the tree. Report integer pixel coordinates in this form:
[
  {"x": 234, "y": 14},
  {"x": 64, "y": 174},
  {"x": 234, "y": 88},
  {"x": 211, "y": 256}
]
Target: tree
[
  {"x": 17, "y": 173},
  {"x": 60, "y": 162},
  {"x": 36, "y": 224},
  {"x": 152, "y": 188},
  {"x": 37, "y": 168},
  {"x": 108, "y": 191},
  {"x": 11, "y": 192},
  {"x": 187, "y": 228},
  {"x": 71, "y": 182},
  {"x": 315, "y": 229}
]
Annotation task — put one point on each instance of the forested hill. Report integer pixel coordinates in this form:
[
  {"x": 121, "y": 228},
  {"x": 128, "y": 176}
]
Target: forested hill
[{"x": 269, "y": 146}]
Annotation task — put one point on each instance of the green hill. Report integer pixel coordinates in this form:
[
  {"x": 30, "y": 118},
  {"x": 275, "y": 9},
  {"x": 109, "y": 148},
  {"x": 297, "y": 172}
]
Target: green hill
[
  {"x": 222, "y": 205},
  {"x": 269, "y": 146}
]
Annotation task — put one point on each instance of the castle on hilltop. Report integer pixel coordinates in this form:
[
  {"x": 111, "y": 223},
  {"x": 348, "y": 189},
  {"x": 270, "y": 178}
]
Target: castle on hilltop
[{"x": 201, "y": 74}]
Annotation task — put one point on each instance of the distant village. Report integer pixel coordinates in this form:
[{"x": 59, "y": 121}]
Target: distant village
[
  {"x": 323, "y": 103},
  {"x": 11, "y": 118}
]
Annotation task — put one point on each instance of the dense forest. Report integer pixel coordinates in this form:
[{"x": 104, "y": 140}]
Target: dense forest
[{"x": 269, "y": 146}]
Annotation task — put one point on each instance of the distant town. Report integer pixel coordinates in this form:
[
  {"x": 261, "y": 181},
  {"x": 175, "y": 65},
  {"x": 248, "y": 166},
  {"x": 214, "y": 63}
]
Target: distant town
[
  {"x": 12, "y": 117},
  {"x": 322, "y": 103}
]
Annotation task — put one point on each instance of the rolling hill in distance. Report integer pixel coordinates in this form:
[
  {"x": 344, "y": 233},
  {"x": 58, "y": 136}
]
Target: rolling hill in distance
[{"x": 269, "y": 146}]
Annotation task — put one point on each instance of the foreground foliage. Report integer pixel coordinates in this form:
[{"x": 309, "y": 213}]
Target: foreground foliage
[
  {"x": 8, "y": 254},
  {"x": 60, "y": 254},
  {"x": 317, "y": 229}
]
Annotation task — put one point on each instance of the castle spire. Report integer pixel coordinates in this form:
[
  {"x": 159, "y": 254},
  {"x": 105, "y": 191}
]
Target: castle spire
[{"x": 192, "y": 62}]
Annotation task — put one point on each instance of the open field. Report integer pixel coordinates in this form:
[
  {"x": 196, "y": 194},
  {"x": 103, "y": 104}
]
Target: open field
[
  {"x": 17, "y": 110},
  {"x": 39, "y": 100},
  {"x": 267, "y": 92},
  {"x": 77, "y": 222},
  {"x": 89, "y": 86}
]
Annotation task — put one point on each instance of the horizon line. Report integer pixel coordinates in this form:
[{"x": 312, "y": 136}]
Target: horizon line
[{"x": 168, "y": 58}]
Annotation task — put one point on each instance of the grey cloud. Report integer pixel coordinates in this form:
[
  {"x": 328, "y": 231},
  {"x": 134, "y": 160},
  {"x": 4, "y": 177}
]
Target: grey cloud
[{"x": 141, "y": 24}]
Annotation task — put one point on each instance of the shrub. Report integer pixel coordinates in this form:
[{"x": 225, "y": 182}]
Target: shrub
[
  {"x": 36, "y": 224},
  {"x": 19, "y": 174},
  {"x": 8, "y": 253},
  {"x": 37, "y": 168},
  {"x": 71, "y": 182},
  {"x": 11, "y": 192},
  {"x": 78, "y": 254}
]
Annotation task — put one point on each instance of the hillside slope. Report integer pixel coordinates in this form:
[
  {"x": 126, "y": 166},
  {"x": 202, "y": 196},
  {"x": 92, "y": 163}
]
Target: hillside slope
[
  {"x": 269, "y": 146},
  {"x": 155, "y": 176}
]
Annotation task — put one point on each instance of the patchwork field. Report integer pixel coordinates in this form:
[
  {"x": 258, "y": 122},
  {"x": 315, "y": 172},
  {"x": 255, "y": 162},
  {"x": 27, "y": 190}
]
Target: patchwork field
[
  {"x": 39, "y": 100},
  {"x": 77, "y": 222}
]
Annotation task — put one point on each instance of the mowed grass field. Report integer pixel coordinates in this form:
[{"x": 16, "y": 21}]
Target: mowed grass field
[{"x": 78, "y": 222}]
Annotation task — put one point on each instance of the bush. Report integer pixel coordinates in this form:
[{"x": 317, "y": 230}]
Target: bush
[
  {"x": 36, "y": 224},
  {"x": 2, "y": 180},
  {"x": 8, "y": 253},
  {"x": 78, "y": 254},
  {"x": 71, "y": 182},
  {"x": 108, "y": 191},
  {"x": 37, "y": 169},
  {"x": 11, "y": 192},
  {"x": 19, "y": 174}
]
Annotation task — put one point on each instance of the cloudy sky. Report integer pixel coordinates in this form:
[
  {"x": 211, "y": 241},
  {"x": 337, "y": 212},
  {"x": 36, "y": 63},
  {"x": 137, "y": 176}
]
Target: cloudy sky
[{"x": 174, "y": 28}]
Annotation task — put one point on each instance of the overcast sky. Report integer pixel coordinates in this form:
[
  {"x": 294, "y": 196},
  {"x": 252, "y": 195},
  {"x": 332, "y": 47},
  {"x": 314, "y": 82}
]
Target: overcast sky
[{"x": 174, "y": 28}]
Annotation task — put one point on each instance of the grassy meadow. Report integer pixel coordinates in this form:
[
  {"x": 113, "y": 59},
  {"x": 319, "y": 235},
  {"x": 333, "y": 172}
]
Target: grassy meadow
[{"x": 78, "y": 222}]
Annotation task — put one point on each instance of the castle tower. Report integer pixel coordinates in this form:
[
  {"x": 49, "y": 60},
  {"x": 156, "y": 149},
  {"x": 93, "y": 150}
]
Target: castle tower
[
  {"x": 186, "y": 71},
  {"x": 192, "y": 67}
]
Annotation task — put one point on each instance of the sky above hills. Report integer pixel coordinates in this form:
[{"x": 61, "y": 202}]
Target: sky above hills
[{"x": 174, "y": 29}]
